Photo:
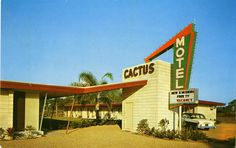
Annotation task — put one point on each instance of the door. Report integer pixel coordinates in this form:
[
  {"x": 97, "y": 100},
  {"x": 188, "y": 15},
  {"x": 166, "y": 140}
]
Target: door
[
  {"x": 19, "y": 111},
  {"x": 129, "y": 115}
]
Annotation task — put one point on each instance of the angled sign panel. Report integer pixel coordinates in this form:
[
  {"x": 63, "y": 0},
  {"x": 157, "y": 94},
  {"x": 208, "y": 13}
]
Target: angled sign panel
[{"x": 183, "y": 45}]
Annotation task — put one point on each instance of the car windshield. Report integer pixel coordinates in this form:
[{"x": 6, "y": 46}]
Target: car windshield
[{"x": 197, "y": 116}]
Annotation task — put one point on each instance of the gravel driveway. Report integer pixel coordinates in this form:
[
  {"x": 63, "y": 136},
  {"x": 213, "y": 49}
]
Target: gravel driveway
[{"x": 109, "y": 136}]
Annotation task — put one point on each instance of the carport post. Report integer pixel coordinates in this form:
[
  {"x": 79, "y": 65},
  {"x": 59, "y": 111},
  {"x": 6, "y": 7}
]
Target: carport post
[
  {"x": 72, "y": 106},
  {"x": 44, "y": 104}
]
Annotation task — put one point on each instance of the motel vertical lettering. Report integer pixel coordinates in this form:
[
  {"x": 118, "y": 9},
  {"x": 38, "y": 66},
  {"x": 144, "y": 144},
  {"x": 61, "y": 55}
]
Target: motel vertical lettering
[
  {"x": 179, "y": 54},
  {"x": 181, "y": 47}
]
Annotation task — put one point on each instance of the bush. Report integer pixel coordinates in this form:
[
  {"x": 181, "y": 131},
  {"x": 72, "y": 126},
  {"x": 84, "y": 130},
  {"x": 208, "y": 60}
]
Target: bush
[
  {"x": 110, "y": 122},
  {"x": 198, "y": 135},
  {"x": 2, "y": 133},
  {"x": 185, "y": 134},
  {"x": 162, "y": 133},
  {"x": 10, "y": 132},
  {"x": 192, "y": 134},
  {"x": 90, "y": 122},
  {"x": 190, "y": 125},
  {"x": 163, "y": 124},
  {"x": 75, "y": 124},
  {"x": 171, "y": 134},
  {"x": 54, "y": 124},
  {"x": 102, "y": 122},
  {"x": 30, "y": 129},
  {"x": 152, "y": 131},
  {"x": 82, "y": 123},
  {"x": 143, "y": 127},
  {"x": 156, "y": 133},
  {"x": 159, "y": 133}
]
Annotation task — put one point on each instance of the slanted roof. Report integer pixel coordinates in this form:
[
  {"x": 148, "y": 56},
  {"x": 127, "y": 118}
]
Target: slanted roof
[{"x": 59, "y": 91}]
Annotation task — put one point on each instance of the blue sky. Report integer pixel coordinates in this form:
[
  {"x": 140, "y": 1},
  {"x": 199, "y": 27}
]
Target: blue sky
[{"x": 53, "y": 41}]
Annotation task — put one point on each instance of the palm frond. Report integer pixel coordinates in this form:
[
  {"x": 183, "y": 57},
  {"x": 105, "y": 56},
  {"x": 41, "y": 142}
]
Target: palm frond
[
  {"x": 88, "y": 78},
  {"x": 76, "y": 84},
  {"x": 108, "y": 75},
  {"x": 102, "y": 82}
]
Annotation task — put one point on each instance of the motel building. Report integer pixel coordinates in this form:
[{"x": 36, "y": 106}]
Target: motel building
[
  {"x": 146, "y": 97},
  {"x": 149, "y": 91}
]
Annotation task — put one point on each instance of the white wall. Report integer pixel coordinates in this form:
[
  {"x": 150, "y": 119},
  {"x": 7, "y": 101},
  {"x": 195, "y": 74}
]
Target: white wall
[
  {"x": 208, "y": 111},
  {"x": 151, "y": 101},
  {"x": 6, "y": 109},
  {"x": 32, "y": 109}
]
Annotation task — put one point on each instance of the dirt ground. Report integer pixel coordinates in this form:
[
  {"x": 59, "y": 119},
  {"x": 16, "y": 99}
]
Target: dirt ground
[
  {"x": 101, "y": 136},
  {"x": 223, "y": 131}
]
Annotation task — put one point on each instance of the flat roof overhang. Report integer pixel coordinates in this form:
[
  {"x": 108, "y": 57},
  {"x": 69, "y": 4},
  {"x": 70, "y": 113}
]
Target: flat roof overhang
[
  {"x": 60, "y": 91},
  {"x": 205, "y": 103},
  {"x": 210, "y": 103}
]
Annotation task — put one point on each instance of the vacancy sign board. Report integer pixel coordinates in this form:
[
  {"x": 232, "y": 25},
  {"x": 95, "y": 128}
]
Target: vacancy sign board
[{"x": 181, "y": 97}]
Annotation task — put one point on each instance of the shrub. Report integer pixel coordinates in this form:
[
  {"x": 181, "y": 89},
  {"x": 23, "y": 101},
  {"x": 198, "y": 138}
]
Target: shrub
[
  {"x": 102, "y": 122},
  {"x": 84, "y": 123},
  {"x": 74, "y": 124},
  {"x": 171, "y": 134},
  {"x": 152, "y": 131},
  {"x": 10, "y": 132},
  {"x": 156, "y": 133},
  {"x": 110, "y": 122},
  {"x": 54, "y": 124},
  {"x": 163, "y": 124},
  {"x": 2, "y": 133},
  {"x": 190, "y": 125},
  {"x": 192, "y": 134},
  {"x": 30, "y": 129},
  {"x": 93, "y": 123},
  {"x": 185, "y": 134},
  {"x": 159, "y": 133},
  {"x": 90, "y": 122},
  {"x": 143, "y": 127},
  {"x": 198, "y": 135}
]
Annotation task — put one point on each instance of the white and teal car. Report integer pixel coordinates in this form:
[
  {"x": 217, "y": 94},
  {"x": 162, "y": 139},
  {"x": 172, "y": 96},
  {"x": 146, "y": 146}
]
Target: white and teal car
[{"x": 195, "y": 120}]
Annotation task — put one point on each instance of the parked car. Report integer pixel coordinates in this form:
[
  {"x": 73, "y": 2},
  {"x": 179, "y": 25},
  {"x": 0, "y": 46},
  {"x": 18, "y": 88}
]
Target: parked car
[{"x": 196, "y": 120}]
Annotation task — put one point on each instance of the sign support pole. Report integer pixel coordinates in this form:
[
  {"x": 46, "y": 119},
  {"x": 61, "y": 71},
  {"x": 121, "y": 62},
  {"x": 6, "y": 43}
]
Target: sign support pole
[{"x": 180, "y": 117}]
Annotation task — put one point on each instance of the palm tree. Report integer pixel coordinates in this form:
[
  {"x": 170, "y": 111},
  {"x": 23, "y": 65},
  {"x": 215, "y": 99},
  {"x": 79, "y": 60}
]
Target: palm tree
[
  {"x": 107, "y": 97},
  {"x": 88, "y": 79}
]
